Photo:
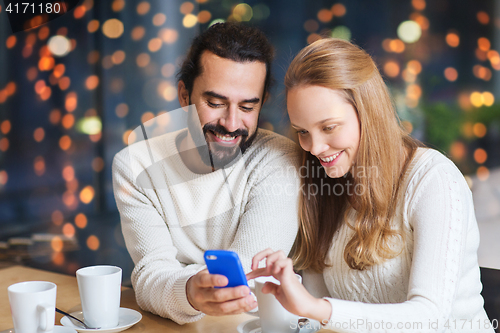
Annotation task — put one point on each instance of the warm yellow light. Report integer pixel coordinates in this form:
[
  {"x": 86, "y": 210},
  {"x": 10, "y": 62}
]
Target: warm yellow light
[
  {"x": 414, "y": 66},
  {"x": 81, "y": 221},
  {"x": 121, "y": 110},
  {"x": 143, "y": 59},
  {"x": 452, "y": 39},
  {"x": 93, "y": 243},
  {"x": 418, "y": 4},
  {"x": 325, "y": 15},
  {"x": 92, "y": 82},
  {"x": 154, "y": 44},
  {"x": 243, "y": 12},
  {"x": 484, "y": 44},
  {"x": 338, "y": 10},
  {"x": 480, "y": 156},
  {"x": 68, "y": 230},
  {"x": 57, "y": 244},
  {"x": 451, "y": 74},
  {"x": 483, "y": 173},
  {"x": 479, "y": 130},
  {"x": 71, "y": 101},
  {"x": 147, "y": 116},
  {"x": 68, "y": 121},
  {"x": 57, "y": 217},
  {"x": 476, "y": 98},
  {"x": 39, "y": 134},
  {"x": 59, "y": 45},
  {"x": 143, "y": 8},
  {"x": 93, "y": 26},
  {"x": 204, "y": 16},
  {"x": 189, "y": 20},
  {"x": 186, "y": 8},
  {"x": 483, "y": 17},
  {"x": 488, "y": 98},
  {"x": 169, "y": 36},
  {"x": 87, "y": 194},
  {"x": 68, "y": 173},
  {"x": 391, "y": 68},
  {"x": 65, "y": 142},
  {"x": 159, "y": 19},
  {"x": 137, "y": 33},
  {"x": 409, "y": 31}
]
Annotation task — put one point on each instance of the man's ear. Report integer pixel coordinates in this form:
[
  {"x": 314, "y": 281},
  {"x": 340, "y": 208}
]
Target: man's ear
[
  {"x": 266, "y": 97},
  {"x": 183, "y": 95}
]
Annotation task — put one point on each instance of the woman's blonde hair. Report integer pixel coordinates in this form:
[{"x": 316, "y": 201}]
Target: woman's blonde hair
[{"x": 384, "y": 152}]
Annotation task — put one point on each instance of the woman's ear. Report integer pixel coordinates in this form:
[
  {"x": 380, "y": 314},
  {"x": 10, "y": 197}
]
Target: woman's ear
[{"x": 182, "y": 94}]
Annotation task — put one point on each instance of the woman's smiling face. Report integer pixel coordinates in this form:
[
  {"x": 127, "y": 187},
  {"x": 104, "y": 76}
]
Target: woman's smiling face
[{"x": 327, "y": 126}]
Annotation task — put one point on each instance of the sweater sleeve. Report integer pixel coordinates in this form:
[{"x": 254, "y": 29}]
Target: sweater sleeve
[
  {"x": 270, "y": 218},
  {"x": 439, "y": 209},
  {"x": 159, "y": 279}
]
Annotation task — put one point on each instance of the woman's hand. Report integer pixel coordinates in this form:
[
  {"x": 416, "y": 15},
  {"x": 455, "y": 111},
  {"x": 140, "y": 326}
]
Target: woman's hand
[{"x": 291, "y": 293}]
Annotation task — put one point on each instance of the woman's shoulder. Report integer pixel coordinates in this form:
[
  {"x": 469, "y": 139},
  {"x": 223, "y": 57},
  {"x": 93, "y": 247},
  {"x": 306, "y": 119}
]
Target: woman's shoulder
[{"x": 432, "y": 172}]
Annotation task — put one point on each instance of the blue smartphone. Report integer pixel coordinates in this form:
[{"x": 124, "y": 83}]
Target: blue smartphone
[{"x": 226, "y": 263}]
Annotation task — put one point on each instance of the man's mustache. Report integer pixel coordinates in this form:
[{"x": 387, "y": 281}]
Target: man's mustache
[{"x": 221, "y": 130}]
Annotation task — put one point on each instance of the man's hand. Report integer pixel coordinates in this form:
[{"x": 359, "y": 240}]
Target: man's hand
[{"x": 203, "y": 296}]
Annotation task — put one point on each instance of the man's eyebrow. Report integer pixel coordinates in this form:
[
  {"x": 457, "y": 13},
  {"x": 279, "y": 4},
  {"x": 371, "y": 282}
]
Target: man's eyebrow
[
  {"x": 254, "y": 100},
  {"x": 213, "y": 94}
]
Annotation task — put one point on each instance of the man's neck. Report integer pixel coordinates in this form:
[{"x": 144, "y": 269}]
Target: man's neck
[{"x": 190, "y": 155}]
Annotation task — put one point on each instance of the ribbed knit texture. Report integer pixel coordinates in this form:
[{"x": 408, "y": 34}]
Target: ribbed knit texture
[
  {"x": 171, "y": 215},
  {"x": 434, "y": 281}
]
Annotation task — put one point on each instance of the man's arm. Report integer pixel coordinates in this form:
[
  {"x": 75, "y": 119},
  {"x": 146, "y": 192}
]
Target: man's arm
[{"x": 159, "y": 279}]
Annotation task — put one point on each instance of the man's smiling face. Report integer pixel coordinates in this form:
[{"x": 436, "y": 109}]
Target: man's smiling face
[{"x": 228, "y": 98}]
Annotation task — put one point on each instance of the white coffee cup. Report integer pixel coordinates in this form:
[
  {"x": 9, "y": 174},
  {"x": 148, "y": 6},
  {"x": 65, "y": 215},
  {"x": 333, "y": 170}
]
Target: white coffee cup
[
  {"x": 100, "y": 290},
  {"x": 274, "y": 318},
  {"x": 33, "y": 306}
]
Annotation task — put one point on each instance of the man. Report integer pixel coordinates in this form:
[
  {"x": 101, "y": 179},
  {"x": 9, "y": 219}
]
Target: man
[{"x": 220, "y": 183}]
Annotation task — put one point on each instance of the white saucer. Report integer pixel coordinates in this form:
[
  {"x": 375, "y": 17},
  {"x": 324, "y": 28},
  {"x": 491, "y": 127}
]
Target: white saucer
[
  {"x": 253, "y": 326},
  {"x": 57, "y": 329},
  {"x": 128, "y": 318}
]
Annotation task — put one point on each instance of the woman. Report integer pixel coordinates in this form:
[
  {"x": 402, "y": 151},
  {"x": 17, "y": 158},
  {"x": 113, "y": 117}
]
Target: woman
[{"x": 385, "y": 222}]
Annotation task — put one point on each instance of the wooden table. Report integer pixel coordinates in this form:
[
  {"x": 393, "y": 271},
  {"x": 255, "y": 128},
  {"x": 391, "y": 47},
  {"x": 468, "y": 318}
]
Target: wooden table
[{"x": 68, "y": 299}]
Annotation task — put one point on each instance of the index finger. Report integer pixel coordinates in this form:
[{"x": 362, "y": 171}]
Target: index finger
[
  {"x": 259, "y": 256},
  {"x": 208, "y": 280},
  {"x": 256, "y": 273}
]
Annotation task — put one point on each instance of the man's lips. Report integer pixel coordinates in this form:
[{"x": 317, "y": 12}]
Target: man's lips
[{"x": 223, "y": 139}]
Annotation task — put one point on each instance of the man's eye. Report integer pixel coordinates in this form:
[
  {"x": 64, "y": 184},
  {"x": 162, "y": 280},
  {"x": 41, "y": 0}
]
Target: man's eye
[
  {"x": 214, "y": 105},
  {"x": 246, "y": 109}
]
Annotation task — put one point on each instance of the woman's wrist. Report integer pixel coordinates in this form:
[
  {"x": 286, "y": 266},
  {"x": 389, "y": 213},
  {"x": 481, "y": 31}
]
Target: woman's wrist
[{"x": 320, "y": 310}]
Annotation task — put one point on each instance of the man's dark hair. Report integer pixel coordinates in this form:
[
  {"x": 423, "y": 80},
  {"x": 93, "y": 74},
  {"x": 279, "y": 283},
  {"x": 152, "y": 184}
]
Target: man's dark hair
[{"x": 231, "y": 41}]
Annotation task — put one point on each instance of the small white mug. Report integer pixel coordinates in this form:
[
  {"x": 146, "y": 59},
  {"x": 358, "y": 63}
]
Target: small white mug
[
  {"x": 33, "y": 306},
  {"x": 100, "y": 290},
  {"x": 273, "y": 316}
]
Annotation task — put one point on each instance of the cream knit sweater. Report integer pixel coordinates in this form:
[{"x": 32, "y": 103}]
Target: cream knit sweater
[
  {"x": 434, "y": 284},
  {"x": 170, "y": 216}
]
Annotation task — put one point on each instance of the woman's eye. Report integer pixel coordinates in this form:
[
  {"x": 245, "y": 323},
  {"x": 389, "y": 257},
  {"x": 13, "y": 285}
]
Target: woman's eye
[
  {"x": 329, "y": 128},
  {"x": 302, "y": 132}
]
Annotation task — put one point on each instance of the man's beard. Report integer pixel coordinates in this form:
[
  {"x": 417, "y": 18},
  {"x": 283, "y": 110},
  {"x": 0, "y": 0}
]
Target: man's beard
[{"x": 213, "y": 154}]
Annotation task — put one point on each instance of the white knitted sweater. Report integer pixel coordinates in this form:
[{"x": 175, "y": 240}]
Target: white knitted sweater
[
  {"x": 170, "y": 216},
  {"x": 434, "y": 284}
]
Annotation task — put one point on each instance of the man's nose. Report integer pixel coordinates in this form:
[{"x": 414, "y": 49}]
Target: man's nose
[{"x": 231, "y": 119}]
